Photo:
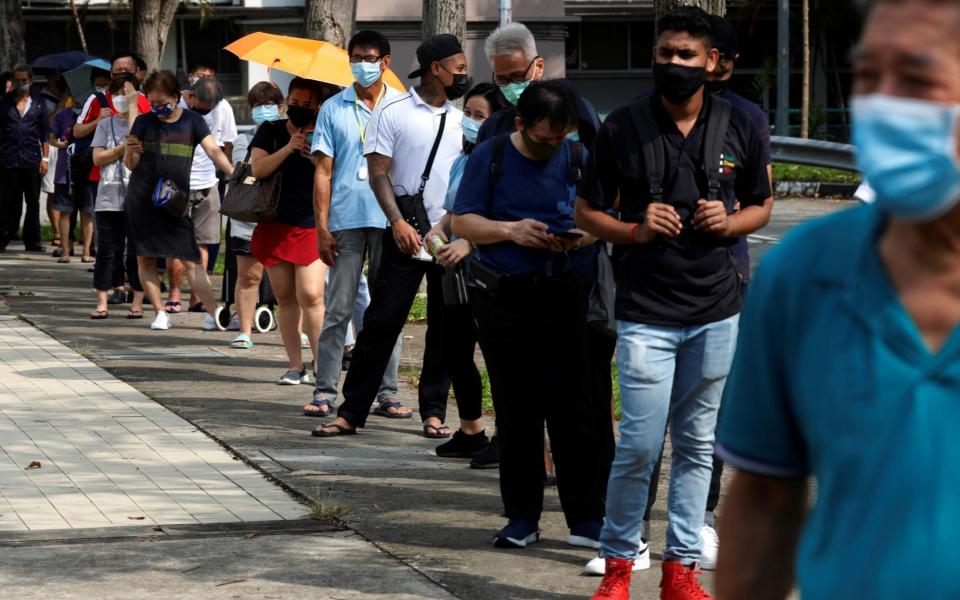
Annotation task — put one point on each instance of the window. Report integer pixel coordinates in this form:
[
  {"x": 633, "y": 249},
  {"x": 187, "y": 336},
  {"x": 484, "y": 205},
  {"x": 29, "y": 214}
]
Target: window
[{"x": 605, "y": 46}]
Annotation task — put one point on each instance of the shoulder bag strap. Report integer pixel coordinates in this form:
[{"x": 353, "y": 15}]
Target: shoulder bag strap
[
  {"x": 433, "y": 154},
  {"x": 498, "y": 146},
  {"x": 717, "y": 126},
  {"x": 576, "y": 163},
  {"x": 651, "y": 144}
]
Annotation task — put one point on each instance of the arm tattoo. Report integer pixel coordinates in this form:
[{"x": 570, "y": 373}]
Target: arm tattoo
[{"x": 383, "y": 190}]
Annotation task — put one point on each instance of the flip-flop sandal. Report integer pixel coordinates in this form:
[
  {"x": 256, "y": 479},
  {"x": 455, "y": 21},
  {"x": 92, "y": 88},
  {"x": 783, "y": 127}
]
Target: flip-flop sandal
[
  {"x": 98, "y": 314},
  {"x": 88, "y": 259},
  {"x": 135, "y": 314},
  {"x": 197, "y": 308},
  {"x": 242, "y": 342},
  {"x": 63, "y": 259},
  {"x": 320, "y": 404},
  {"x": 383, "y": 410},
  {"x": 340, "y": 430},
  {"x": 172, "y": 307},
  {"x": 439, "y": 432}
]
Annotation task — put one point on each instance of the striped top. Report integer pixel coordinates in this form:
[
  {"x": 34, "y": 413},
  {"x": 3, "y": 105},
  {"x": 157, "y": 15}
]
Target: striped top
[{"x": 168, "y": 147}]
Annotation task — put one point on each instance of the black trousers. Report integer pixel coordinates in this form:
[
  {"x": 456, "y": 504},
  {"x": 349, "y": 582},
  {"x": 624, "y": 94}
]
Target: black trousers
[
  {"x": 600, "y": 350},
  {"x": 391, "y": 296},
  {"x": 533, "y": 334},
  {"x": 459, "y": 346},
  {"x": 20, "y": 185},
  {"x": 113, "y": 256}
]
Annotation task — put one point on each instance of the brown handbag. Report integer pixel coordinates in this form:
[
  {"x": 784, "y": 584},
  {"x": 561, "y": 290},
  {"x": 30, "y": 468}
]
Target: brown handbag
[{"x": 249, "y": 198}]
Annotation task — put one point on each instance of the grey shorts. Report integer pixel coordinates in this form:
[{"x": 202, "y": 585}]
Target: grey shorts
[{"x": 205, "y": 214}]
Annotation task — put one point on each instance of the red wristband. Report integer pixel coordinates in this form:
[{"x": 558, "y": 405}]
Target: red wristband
[{"x": 633, "y": 233}]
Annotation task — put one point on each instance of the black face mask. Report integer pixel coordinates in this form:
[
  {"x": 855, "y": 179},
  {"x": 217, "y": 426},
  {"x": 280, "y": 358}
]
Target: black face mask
[
  {"x": 202, "y": 111},
  {"x": 717, "y": 87},
  {"x": 301, "y": 116},
  {"x": 678, "y": 83},
  {"x": 459, "y": 87}
]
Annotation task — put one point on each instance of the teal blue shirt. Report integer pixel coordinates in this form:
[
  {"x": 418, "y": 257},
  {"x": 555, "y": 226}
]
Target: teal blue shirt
[
  {"x": 832, "y": 379},
  {"x": 340, "y": 123}
]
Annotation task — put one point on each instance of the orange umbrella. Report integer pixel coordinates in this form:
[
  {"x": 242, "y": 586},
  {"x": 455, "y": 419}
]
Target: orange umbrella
[{"x": 312, "y": 59}]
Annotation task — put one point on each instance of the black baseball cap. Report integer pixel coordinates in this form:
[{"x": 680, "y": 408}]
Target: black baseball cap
[
  {"x": 434, "y": 48},
  {"x": 724, "y": 37}
]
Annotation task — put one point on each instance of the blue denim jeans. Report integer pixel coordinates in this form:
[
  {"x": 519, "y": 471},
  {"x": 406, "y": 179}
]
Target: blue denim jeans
[
  {"x": 341, "y": 298},
  {"x": 676, "y": 373}
]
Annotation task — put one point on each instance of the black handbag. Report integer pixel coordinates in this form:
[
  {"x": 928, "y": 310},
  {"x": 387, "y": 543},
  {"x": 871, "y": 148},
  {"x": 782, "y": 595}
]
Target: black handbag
[
  {"x": 411, "y": 207},
  {"x": 455, "y": 291},
  {"x": 251, "y": 199}
]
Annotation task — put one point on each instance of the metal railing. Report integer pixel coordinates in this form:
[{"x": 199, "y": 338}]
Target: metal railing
[{"x": 815, "y": 153}]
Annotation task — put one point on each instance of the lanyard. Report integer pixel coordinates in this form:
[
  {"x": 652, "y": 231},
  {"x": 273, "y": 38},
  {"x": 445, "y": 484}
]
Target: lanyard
[{"x": 356, "y": 112}]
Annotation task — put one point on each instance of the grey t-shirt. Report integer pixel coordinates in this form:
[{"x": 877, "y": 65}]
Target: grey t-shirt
[{"x": 112, "y": 190}]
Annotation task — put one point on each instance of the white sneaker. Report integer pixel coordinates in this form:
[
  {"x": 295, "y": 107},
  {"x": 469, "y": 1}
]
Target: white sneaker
[
  {"x": 711, "y": 544},
  {"x": 292, "y": 377},
  {"x": 162, "y": 321},
  {"x": 208, "y": 323},
  {"x": 234, "y": 324},
  {"x": 598, "y": 565}
]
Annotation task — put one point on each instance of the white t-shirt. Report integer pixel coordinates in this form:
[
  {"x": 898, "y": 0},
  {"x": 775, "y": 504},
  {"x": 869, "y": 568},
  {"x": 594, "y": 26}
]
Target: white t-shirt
[
  {"x": 404, "y": 129},
  {"x": 223, "y": 128}
]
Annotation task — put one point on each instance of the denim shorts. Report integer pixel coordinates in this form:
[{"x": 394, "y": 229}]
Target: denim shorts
[{"x": 79, "y": 198}]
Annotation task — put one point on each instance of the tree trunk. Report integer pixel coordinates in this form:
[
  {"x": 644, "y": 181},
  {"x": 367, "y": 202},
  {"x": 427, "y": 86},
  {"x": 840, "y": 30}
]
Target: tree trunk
[
  {"x": 150, "y": 26},
  {"x": 445, "y": 16},
  {"x": 714, "y": 7},
  {"x": 330, "y": 20},
  {"x": 805, "y": 91},
  {"x": 76, "y": 19},
  {"x": 13, "y": 50}
]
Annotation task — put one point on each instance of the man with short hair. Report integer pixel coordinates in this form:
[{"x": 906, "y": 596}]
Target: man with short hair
[
  {"x": 512, "y": 52},
  {"x": 350, "y": 223},
  {"x": 399, "y": 144},
  {"x": 674, "y": 165},
  {"x": 24, "y": 146},
  {"x": 848, "y": 366}
]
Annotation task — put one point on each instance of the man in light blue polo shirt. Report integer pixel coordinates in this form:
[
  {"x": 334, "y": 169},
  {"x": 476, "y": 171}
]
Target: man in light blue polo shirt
[
  {"x": 350, "y": 223},
  {"x": 848, "y": 365}
]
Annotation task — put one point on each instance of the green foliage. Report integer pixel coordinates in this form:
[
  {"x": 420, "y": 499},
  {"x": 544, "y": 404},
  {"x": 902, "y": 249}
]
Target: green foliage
[
  {"x": 792, "y": 172},
  {"x": 418, "y": 311}
]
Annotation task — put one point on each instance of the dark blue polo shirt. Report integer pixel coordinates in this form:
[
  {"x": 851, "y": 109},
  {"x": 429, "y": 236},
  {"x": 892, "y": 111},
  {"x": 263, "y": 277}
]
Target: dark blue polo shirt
[{"x": 21, "y": 136}]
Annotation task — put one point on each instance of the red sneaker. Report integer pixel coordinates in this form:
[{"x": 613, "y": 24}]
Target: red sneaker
[
  {"x": 616, "y": 581},
  {"x": 680, "y": 583}
]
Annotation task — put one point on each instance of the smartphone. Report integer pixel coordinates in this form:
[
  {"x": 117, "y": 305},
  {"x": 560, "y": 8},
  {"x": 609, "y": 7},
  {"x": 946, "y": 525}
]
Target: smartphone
[
  {"x": 568, "y": 235},
  {"x": 132, "y": 139}
]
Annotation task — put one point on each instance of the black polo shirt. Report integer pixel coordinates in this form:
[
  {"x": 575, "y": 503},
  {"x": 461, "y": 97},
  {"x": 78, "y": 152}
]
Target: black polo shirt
[{"x": 691, "y": 279}]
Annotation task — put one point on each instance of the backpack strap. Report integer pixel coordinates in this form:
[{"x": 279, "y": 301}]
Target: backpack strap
[
  {"x": 651, "y": 143},
  {"x": 717, "y": 125},
  {"x": 576, "y": 163},
  {"x": 498, "y": 145},
  {"x": 102, "y": 99}
]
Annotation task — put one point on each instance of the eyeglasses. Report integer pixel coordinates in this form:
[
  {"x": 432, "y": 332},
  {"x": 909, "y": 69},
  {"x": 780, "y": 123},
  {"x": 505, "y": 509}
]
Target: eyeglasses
[
  {"x": 520, "y": 78},
  {"x": 367, "y": 58}
]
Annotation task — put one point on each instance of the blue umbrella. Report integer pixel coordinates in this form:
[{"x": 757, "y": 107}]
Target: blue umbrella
[
  {"x": 62, "y": 61},
  {"x": 78, "y": 79}
]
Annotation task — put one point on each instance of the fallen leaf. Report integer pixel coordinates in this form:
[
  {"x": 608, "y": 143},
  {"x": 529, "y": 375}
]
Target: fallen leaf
[
  {"x": 229, "y": 582},
  {"x": 136, "y": 518},
  {"x": 34, "y": 464},
  {"x": 250, "y": 536}
]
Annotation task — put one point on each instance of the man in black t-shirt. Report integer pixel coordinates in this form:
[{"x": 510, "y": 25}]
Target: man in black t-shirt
[{"x": 678, "y": 290}]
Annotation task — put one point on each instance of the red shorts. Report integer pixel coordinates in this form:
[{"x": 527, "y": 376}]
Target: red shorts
[{"x": 275, "y": 243}]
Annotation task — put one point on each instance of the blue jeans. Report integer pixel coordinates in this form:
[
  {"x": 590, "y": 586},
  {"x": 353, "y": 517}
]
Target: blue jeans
[
  {"x": 675, "y": 372},
  {"x": 341, "y": 299}
]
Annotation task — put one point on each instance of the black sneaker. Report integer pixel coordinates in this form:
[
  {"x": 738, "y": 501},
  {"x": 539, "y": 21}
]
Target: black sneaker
[
  {"x": 347, "y": 357},
  {"x": 462, "y": 445},
  {"x": 488, "y": 458}
]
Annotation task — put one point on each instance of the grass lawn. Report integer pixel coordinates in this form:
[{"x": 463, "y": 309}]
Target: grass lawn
[{"x": 792, "y": 172}]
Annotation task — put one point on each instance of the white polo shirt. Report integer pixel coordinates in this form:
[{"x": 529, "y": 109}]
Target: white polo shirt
[{"x": 404, "y": 129}]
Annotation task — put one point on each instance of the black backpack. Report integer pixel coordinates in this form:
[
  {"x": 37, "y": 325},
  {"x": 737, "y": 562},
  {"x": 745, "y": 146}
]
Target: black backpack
[
  {"x": 499, "y": 145},
  {"x": 651, "y": 141},
  {"x": 81, "y": 160}
]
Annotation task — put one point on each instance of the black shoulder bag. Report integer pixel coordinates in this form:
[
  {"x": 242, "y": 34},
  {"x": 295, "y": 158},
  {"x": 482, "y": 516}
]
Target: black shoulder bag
[{"x": 411, "y": 207}]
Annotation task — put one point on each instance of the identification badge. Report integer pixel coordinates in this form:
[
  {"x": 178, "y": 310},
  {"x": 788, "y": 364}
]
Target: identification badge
[{"x": 362, "y": 173}]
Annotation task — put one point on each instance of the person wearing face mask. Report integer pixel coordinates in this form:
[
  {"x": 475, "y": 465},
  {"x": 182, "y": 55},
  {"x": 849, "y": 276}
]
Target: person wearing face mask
[
  {"x": 459, "y": 330},
  {"x": 110, "y": 219},
  {"x": 674, "y": 165},
  {"x": 512, "y": 52},
  {"x": 349, "y": 221},
  {"x": 266, "y": 105},
  {"x": 159, "y": 152},
  {"x": 849, "y": 374},
  {"x": 531, "y": 272},
  {"x": 24, "y": 133},
  {"x": 411, "y": 142},
  {"x": 287, "y": 247}
]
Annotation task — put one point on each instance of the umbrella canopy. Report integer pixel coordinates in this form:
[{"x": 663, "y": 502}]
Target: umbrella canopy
[
  {"x": 78, "y": 79},
  {"x": 312, "y": 59},
  {"x": 63, "y": 61}
]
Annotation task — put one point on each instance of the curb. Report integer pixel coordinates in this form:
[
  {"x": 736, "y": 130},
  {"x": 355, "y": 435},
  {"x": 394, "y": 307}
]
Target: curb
[{"x": 815, "y": 189}]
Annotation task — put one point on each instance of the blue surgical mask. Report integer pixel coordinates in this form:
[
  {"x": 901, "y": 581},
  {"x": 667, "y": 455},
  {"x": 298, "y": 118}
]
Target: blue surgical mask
[
  {"x": 574, "y": 136},
  {"x": 164, "y": 110},
  {"x": 513, "y": 91},
  {"x": 366, "y": 74},
  {"x": 265, "y": 112},
  {"x": 907, "y": 150},
  {"x": 470, "y": 129}
]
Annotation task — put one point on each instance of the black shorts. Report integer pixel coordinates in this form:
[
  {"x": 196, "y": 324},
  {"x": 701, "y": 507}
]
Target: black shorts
[
  {"x": 67, "y": 200},
  {"x": 240, "y": 247}
]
